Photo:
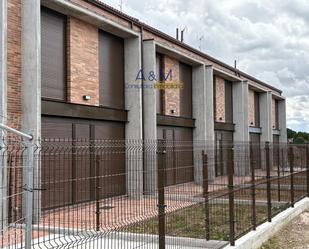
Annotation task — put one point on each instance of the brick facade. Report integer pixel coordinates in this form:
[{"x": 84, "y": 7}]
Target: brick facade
[
  {"x": 251, "y": 108},
  {"x": 219, "y": 99},
  {"x": 83, "y": 62},
  {"x": 14, "y": 64},
  {"x": 171, "y": 97}
]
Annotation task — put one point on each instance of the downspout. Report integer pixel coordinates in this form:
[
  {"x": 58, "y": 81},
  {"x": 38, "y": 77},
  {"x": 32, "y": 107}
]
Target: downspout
[
  {"x": 142, "y": 85},
  {"x": 3, "y": 109}
]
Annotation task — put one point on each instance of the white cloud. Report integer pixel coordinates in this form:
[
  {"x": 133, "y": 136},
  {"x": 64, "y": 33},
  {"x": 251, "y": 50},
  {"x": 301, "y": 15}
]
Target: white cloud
[{"x": 269, "y": 39}]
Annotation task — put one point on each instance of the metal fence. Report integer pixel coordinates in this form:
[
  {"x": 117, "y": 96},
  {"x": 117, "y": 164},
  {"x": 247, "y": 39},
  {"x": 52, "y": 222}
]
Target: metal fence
[{"x": 144, "y": 194}]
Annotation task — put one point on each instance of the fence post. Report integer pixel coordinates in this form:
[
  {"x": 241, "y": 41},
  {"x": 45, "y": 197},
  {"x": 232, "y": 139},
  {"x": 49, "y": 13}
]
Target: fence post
[
  {"x": 291, "y": 156},
  {"x": 268, "y": 183},
  {"x": 161, "y": 184},
  {"x": 279, "y": 176},
  {"x": 29, "y": 194},
  {"x": 252, "y": 163},
  {"x": 307, "y": 165},
  {"x": 97, "y": 194},
  {"x": 230, "y": 173},
  {"x": 205, "y": 190}
]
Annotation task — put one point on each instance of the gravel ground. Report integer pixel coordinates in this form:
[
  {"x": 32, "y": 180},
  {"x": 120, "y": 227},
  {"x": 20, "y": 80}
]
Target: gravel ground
[{"x": 294, "y": 236}]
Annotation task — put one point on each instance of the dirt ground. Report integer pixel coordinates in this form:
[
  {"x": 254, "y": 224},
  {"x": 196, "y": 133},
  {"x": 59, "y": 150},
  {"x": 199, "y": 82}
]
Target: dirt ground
[{"x": 294, "y": 236}]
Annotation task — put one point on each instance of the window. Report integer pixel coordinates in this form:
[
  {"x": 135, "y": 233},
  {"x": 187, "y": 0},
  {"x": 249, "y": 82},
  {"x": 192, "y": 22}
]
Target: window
[
  {"x": 53, "y": 45},
  {"x": 185, "y": 77},
  {"x": 111, "y": 64}
]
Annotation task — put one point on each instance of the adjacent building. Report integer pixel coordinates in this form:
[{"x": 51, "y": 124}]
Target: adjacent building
[{"x": 79, "y": 69}]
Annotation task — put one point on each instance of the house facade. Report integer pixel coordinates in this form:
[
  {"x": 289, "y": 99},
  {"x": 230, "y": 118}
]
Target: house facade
[{"x": 79, "y": 69}]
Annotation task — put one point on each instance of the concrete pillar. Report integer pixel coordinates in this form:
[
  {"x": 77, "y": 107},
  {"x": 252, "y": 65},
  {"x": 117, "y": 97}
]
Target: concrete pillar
[
  {"x": 31, "y": 81},
  {"x": 199, "y": 114},
  {"x": 265, "y": 123},
  {"x": 210, "y": 121},
  {"x": 133, "y": 103},
  {"x": 283, "y": 133},
  {"x": 3, "y": 110},
  {"x": 241, "y": 134},
  {"x": 265, "y": 117},
  {"x": 149, "y": 117},
  {"x": 282, "y": 121},
  {"x": 240, "y": 111}
]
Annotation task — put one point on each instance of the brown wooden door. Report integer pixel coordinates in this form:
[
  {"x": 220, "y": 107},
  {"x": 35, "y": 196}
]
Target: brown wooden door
[
  {"x": 223, "y": 142},
  {"x": 56, "y": 165},
  {"x": 255, "y": 145},
  {"x": 179, "y": 157},
  {"x": 276, "y": 150},
  {"x": 170, "y": 175},
  {"x": 110, "y": 169},
  {"x": 183, "y": 155},
  {"x": 81, "y": 170}
]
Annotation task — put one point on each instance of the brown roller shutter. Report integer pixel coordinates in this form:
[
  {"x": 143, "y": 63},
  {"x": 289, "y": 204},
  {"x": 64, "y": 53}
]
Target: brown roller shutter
[
  {"x": 111, "y": 62},
  {"x": 53, "y": 42},
  {"x": 228, "y": 102},
  {"x": 185, "y": 75}
]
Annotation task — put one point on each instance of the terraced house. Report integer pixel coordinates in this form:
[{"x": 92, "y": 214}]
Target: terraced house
[{"x": 70, "y": 70}]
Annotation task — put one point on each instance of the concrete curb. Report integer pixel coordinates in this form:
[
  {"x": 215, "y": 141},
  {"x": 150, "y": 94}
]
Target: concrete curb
[{"x": 264, "y": 232}]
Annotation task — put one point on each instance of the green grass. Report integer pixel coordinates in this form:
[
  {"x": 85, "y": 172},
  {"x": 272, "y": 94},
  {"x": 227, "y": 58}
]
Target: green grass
[
  {"x": 190, "y": 222},
  {"x": 272, "y": 244}
]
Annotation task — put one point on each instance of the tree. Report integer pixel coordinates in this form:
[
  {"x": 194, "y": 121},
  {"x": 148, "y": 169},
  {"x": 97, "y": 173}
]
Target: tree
[
  {"x": 300, "y": 140},
  {"x": 298, "y": 137}
]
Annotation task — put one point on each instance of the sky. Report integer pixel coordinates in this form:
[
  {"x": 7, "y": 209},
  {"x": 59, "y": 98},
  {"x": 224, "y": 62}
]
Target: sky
[{"x": 268, "y": 38}]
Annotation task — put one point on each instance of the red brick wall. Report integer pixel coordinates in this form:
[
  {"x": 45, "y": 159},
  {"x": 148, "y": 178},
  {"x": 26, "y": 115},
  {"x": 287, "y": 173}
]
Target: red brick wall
[
  {"x": 171, "y": 97},
  {"x": 83, "y": 62},
  {"x": 219, "y": 99},
  {"x": 14, "y": 64}
]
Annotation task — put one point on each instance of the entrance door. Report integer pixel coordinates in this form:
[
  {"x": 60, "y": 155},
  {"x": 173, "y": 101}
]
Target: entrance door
[
  {"x": 56, "y": 159},
  {"x": 223, "y": 142},
  {"x": 110, "y": 166},
  {"x": 255, "y": 149},
  {"x": 81, "y": 168},
  {"x": 276, "y": 150},
  {"x": 179, "y": 157},
  {"x": 170, "y": 175}
]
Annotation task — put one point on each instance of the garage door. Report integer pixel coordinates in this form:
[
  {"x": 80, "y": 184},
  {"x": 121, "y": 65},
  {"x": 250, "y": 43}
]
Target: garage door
[
  {"x": 179, "y": 163},
  {"x": 71, "y": 168}
]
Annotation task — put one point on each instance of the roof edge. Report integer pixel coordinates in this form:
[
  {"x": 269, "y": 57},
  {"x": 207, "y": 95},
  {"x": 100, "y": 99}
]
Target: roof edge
[{"x": 177, "y": 42}]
